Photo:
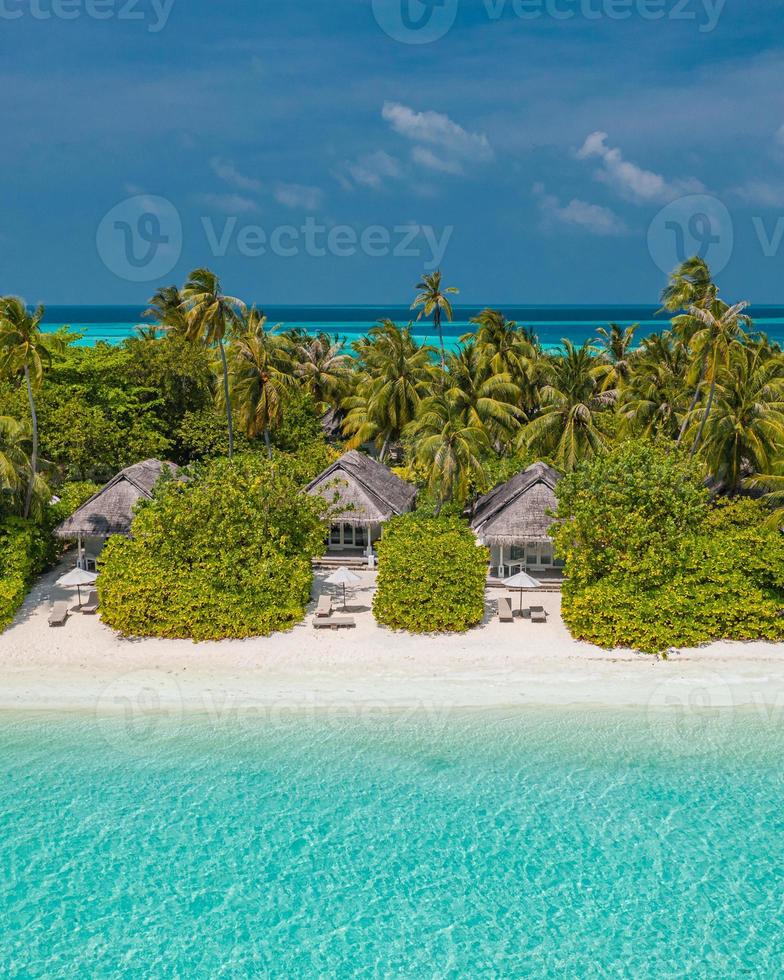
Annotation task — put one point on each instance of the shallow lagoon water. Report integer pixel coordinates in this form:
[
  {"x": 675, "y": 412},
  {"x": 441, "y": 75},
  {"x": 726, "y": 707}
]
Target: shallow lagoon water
[{"x": 430, "y": 844}]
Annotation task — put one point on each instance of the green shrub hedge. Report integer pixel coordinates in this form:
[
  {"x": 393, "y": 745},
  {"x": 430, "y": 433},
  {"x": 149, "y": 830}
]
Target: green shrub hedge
[
  {"x": 226, "y": 554},
  {"x": 431, "y": 576},
  {"x": 23, "y": 554},
  {"x": 724, "y": 581}
]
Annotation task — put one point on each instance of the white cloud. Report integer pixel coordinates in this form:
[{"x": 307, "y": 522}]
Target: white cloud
[
  {"x": 299, "y": 196},
  {"x": 437, "y": 129},
  {"x": 589, "y": 217},
  {"x": 761, "y": 192},
  {"x": 230, "y": 175},
  {"x": 426, "y": 158},
  {"x": 228, "y": 203},
  {"x": 631, "y": 181},
  {"x": 371, "y": 170}
]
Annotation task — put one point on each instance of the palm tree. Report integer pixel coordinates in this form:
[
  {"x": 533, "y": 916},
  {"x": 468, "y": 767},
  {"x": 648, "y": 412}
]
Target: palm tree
[
  {"x": 14, "y": 459},
  {"x": 396, "y": 374},
  {"x": 26, "y": 351},
  {"x": 167, "y": 310},
  {"x": 746, "y": 429},
  {"x": 432, "y": 300},
  {"x": 721, "y": 329},
  {"x": 262, "y": 375},
  {"x": 772, "y": 486},
  {"x": 691, "y": 284},
  {"x": 568, "y": 427},
  {"x": 652, "y": 402},
  {"x": 615, "y": 345},
  {"x": 210, "y": 316},
  {"x": 321, "y": 366},
  {"x": 486, "y": 399},
  {"x": 449, "y": 447}
]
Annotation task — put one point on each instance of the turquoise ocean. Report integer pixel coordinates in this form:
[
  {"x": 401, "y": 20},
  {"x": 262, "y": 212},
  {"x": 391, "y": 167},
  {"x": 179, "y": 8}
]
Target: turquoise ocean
[
  {"x": 534, "y": 843},
  {"x": 551, "y": 323}
]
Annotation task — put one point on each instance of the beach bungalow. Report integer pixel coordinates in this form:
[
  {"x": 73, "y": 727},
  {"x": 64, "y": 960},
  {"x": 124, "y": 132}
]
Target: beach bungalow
[
  {"x": 368, "y": 495},
  {"x": 110, "y": 511},
  {"x": 513, "y": 521}
]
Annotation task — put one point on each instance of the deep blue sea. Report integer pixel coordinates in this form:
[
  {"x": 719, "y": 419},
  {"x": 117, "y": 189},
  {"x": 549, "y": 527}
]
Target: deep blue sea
[
  {"x": 551, "y": 323},
  {"x": 537, "y": 843}
]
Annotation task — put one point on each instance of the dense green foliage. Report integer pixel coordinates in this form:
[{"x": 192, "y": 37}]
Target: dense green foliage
[
  {"x": 431, "y": 576},
  {"x": 652, "y": 566},
  {"x": 225, "y": 554},
  {"x": 23, "y": 553}
]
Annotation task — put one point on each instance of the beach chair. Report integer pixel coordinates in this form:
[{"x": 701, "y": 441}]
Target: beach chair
[
  {"x": 59, "y": 614},
  {"x": 505, "y": 614},
  {"x": 538, "y": 614},
  {"x": 335, "y": 623},
  {"x": 324, "y": 607},
  {"x": 90, "y": 608}
]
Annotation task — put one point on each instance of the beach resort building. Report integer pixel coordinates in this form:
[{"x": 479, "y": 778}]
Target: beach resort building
[
  {"x": 514, "y": 519},
  {"x": 364, "y": 495},
  {"x": 110, "y": 511}
]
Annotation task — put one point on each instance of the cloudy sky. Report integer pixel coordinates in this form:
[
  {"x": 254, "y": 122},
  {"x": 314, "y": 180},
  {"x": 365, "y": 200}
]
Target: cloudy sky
[{"x": 541, "y": 151}]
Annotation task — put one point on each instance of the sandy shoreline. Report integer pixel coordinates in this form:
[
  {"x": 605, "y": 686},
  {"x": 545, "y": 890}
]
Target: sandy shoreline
[{"x": 86, "y": 667}]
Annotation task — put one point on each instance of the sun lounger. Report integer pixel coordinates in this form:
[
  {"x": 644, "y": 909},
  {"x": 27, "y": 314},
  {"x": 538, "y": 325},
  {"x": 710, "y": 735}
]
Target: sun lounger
[
  {"x": 505, "y": 611},
  {"x": 538, "y": 615},
  {"x": 59, "y": 614},
  {"x": 324, "y": 607},
  {"x": 90, "y": 608},
  {"x": 334, "y": 623}
]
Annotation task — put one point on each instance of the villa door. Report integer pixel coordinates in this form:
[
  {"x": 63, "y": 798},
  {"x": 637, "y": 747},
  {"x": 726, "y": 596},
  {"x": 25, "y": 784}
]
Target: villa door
[{"x": 347, "y": 536}]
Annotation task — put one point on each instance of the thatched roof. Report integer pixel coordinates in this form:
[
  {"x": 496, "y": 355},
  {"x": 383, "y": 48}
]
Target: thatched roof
[
  {"x": 518, "y": 510},
  {"x": 368, "y": 493},
  {"x": 110, "y": 511}
]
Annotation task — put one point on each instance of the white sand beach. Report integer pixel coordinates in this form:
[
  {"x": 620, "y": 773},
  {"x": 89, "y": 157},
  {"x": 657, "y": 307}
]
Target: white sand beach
[{"x": 86, "y": 667}]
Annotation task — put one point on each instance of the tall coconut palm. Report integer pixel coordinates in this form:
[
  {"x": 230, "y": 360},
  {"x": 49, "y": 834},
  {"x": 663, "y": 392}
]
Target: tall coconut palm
[
  {"x": 485, "y": 398},
  {"x": 568, "y": 428},
  {"x": 449, "y": 447},
  {"x": 262, "y": 375},
  {"x": 721, "y": 328},
  {"x": 167, "y": 311},
  {"x": 616, "y": 354},
  {"x": 210, "y": 317},
  {"x": 322, "y": 367},
  {"x": 745, "y": 431},
  {"x": 25, "y": 351},
  {"x": 771, "y": 484},
  {"x": 653, "y": 400},
  {"x": 14, "y": 458},
  {"x": 433, "y": 300}
]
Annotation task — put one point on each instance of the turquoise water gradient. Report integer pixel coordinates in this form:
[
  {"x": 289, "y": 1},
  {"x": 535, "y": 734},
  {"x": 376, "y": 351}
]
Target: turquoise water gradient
[{"x": 538, "y": 843}]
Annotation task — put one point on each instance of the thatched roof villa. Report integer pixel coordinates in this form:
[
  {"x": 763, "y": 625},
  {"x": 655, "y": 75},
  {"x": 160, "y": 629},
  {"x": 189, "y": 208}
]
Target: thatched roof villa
[
  {"x": 368, "y": 495},
  {"x": 110, "y": 510},
  {"x": 514, "y": 519}
]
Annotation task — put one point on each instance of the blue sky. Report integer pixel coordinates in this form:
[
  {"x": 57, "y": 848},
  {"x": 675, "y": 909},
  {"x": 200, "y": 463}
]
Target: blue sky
[{"x": 532, "y": 155}]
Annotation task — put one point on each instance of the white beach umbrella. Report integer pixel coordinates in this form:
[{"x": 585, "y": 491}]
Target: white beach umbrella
[
  {"x": 343, "y": 576},
  {"x": 76, "y": 579},
  {"x": 522, "y": 581}
]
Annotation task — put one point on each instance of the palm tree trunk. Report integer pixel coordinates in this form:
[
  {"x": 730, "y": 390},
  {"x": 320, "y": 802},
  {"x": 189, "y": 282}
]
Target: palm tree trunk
[
  {"x": 267, "y": 442},
  {"x": 706, "y": 413},
  {"x": 437, "y": 321},
  {"x": 383, "y": 453},
  {"x": 34, "y": 454},
  {"x": 694, "y": 401},
  {"x": 227, "y": 397}
]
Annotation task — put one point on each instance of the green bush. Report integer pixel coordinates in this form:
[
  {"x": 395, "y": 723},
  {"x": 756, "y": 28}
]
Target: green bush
[
  {"x": 727, "y": 583},
  {"x": 431, "y": 576},
  {"x": 23, "y": 554},
  {"x": 225, "y": 554}
]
